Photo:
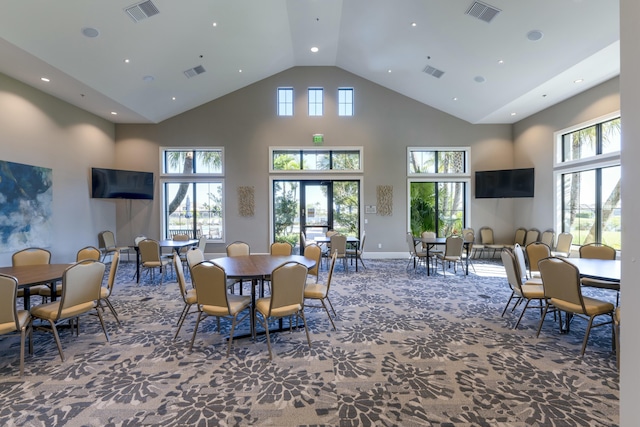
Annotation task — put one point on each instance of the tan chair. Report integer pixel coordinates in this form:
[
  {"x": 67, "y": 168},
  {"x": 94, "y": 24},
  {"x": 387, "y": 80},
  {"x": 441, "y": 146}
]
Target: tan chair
[
  {"x": 81, "y": 285},
  {"x": 548, "y": 237},
  {"x": 320, "y": 292},
  {"x": 194, "y": 256},
  {"x": 562, "y": 290},
  {"x": 599, "y": 251},
  {"x": 106, "y": 291},
  {"x": 313, "y": 252},
  {"x": 519, "y": 290},
  {"x": 338, "y": 245},
  {"x": 533, "y": 235},
  {"x": 415, "y": 255},
  {"x": 356, "y": 253},
  {"x": 189, "y": 296},
  {"x": 183, "y": 251},
  {"x": 237, "y": 249},
  {"x": 150, "y": 258},
  {"x": 519, "y": 238},
  {"x": 88, "y": 252},
  {"x": 213, "y": 299},
  {"x": 467, "y": 249},
  {"x": 452, "y": 253},
  {"x": 280, "y": 248},
  {"x": 286, "y": 300},
  {"x": 107, "y": 244},
  {"x": 563, "y": 245},
  {"x": 433, "y": 250},
  {"x": 11, "y": 319},
  {"x": 34, "y": 256},
  {"x": 522, "y": 267},
  {"x": 535, "y": 252},
  {"x": 487, "y": 242}
]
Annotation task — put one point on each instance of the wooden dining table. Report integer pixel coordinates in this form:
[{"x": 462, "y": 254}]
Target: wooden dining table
[
  {"x": 608, "y": 270},
  {"x": 33, "y": 275},
  {"x": 256, "y": 268}
]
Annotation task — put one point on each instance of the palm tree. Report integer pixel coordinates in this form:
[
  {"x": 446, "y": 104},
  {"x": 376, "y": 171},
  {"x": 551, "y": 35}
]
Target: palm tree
[{"x": 212, "y": 159}]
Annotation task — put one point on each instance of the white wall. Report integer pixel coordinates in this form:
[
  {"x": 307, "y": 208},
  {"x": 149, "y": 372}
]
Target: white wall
[{"x": 39, "y": 130}]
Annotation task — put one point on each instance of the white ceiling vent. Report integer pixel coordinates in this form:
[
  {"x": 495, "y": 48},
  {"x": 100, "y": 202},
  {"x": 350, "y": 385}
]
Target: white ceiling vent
[
  {"x": 141, "y": 11},
  {"x": 192, "y": 72},
  {"x": 433, "y": 71},
  {"x": 482, "y": 11}
]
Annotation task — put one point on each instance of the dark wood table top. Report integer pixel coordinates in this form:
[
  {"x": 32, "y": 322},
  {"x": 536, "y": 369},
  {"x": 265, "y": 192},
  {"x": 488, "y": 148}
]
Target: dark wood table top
[
  {"x": 258, "y": 265},
  {"x": 30, "y": 275},
  {"x": 600, "y": 269},
  {"x": 327, "y": 239}
]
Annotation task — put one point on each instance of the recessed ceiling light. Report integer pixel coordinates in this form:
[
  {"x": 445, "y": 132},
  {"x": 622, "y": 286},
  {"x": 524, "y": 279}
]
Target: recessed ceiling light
[
  {"x": 173, "y": 98},
  {"x": 113, "y": 113},
  {"x": 413, "y": 24},
  {"x": 126, "y": 61},
  {"x": 215, "y": 24},
  {"x": 90, "y": 32},
  {"x": 240, "y": 70},
  {"x": 314, "y": 49},
  {"x": 455, "y": 98},
  {"x": 44, "y": 79},
  {"x": 513, "y": 114},
  {"x": 534, "y": 35},
  {"x": 578, "y": 81},
  {"x": 500, "y": 61}
]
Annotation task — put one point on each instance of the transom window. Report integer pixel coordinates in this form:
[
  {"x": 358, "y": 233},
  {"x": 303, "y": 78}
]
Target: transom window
[
  {"x": 345, "y": 102},
  {"x": 285, "y": 101},
  {"x": 315, "y": 101},
  {"x": 587, "y": 182},
  {"x": 192, "y": 195},
  {"x": 313, "y": 160},
  {"x": 434, "y": 161}
]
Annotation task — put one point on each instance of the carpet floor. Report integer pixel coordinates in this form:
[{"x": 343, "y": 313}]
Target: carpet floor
[{"x": 409, "y": 350}]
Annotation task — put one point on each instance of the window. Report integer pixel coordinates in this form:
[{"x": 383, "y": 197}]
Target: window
[
  {"x": 345, "y": 102},
  {"x": 315, "y": 101},
  {"x": 438, "y": 197},
  {"x": 285, "y": 101},
  {"x": 313, "y": 160},
  {"x": 587, "y": 182},
  {"x": 192, "y": 193}
]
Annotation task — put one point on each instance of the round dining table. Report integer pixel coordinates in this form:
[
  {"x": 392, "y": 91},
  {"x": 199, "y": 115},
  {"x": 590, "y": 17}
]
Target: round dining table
[{"x": 32, "y": 275}]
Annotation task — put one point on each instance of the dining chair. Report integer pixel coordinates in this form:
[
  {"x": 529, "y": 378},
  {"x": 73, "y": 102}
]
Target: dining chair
[
  {"x": 189, "y": 296},
  {"x": 518, "y": 238},
  {"x": 88, "y": 252},
  {"x": 34, "y": 256},
  {"x": 533, "y": 235},
  {"x": 182, "y": 253},
  {"x": 535, "y": 252},
  {"x": 12, "y": 319},
  {"x": 468, "y": 247},
  {"x": 519, "y": 290},
  {"x": 563, "y": 245},
  {"x": 150, "y": 258},
  {"x": 81, "y": 288},
  {"x": 194, "y": 256},
  {"x": 281, "y": 248},
  {"x": 320, "y": 292},
  {"x": 433, "y": 250},
  {"x": 338, "y": 245},
  {"x": 562, "y": 290},
  {"x": 106, "y": 291},
  {"x": 356, "y": 252},
  {"x": 202, "y": 243},
  {"x": 599, "y": 251},
  {"x": 548, "y": 237},
  {"x": 452, "y": 253},
  {"x": 213, "y": 299},
  {"x": 238, "y": 248},
  {"x": 415, "y": 255},
  {"x": 487, "y": 242},
  {"x": 286, "y": 300},
  {"x": 107, "y": 244},
  {"x": 313, "y": 252}
]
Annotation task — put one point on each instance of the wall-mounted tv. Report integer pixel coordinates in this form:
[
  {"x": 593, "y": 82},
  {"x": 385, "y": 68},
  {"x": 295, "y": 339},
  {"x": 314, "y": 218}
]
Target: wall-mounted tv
[
  {"x": 505, "y": 183},
  {"x": 121, "y": 184}
]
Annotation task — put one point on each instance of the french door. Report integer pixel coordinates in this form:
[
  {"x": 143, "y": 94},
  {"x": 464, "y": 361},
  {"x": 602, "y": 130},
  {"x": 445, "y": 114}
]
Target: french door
[{"x": 315, "y": 206}]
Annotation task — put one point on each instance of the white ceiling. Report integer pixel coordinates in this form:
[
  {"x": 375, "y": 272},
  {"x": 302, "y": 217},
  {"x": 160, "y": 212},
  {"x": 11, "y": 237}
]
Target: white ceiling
[{"x": 373, "y": 39}]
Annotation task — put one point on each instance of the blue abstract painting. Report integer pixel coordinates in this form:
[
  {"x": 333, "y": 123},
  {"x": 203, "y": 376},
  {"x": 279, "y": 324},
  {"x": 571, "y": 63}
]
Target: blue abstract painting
[{"x": 26, "y": 198}]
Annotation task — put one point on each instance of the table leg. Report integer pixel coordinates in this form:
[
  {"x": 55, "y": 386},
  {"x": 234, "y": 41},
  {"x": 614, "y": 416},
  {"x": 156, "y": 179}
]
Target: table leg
[{"x": 26, "y": 298}]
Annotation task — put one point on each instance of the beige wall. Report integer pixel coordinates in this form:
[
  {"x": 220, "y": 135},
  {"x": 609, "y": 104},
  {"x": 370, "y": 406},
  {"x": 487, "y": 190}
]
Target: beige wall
[
  {"x": 245, "y": 124},
  {"x": 40, "y": 130}
]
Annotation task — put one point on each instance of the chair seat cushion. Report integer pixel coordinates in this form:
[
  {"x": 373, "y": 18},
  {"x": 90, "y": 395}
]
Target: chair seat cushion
[
  {"x": 236, "y": 303},
  {"x": 592, "y": 305},
  {"x": 262, "y": 305},
  {"x": 532, "y": 291},
  {"x": 23, "y": 320},
  {"x": 191, "y": 297},
  {"x": 49, "y": 311},
  {"x": 315, "y": 291}
]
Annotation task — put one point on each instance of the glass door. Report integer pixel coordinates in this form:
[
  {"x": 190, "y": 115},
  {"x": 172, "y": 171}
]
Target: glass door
[{"x": 315, "y": 210}]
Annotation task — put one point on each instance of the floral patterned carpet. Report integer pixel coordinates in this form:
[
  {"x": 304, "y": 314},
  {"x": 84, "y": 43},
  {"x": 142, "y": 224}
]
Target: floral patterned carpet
[{"x": 410, "y": 350}]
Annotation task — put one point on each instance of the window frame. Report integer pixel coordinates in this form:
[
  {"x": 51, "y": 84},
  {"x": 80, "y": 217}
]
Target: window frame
[
  {"x": 467, "y": 168},
  {"x": 306, "y": 150},
  {"x": 595, "y": 162},
  {"x": 350, "y": 104},
  {"x": 191, "y": 178},
  {"x": 315, "y": 103},
  {"x": 285, "y": 103}
]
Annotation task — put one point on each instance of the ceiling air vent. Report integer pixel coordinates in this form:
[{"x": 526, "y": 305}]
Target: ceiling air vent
[
  {"x": 482, "y": 11},
  {"x": 192, "y": 72},
  {"x": 433, "y": 71},
  {"x": 141, "y": 11}
]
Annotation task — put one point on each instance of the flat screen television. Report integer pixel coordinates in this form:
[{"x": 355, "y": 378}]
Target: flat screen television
[
  {"x": 121, "y": 184},
  {"x": 506, "y": 183}
]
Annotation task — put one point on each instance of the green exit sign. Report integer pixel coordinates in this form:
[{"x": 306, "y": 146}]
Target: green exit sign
[{"x": 318, "y": 138}]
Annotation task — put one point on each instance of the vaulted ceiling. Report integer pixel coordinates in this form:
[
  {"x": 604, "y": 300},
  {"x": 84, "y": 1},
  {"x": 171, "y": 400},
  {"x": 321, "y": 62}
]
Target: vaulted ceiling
[{"x": 484, "y": 62}]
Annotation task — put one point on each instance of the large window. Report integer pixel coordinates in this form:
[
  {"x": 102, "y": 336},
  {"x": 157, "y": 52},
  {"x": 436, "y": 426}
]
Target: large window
[
  {"x": 587, "y": 172},
  {"x": 438, "y": 190},
  {"x": 192, "y": 193}
]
